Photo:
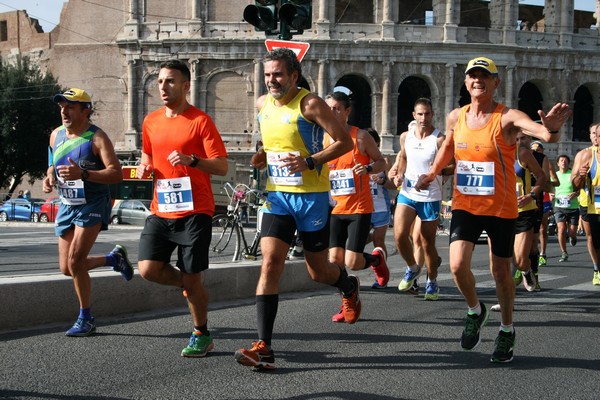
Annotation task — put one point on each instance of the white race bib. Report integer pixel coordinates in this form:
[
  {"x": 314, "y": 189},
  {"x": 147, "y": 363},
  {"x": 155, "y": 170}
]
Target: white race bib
[
  {"x": 342, "y": 182},
  {"x": 174, "y": 194},
  {"x": 72, "y": 192},
  {"x": 280, "y": 175},
  {"x": 597, "y": 197},
  {"x": 563, "y": 202},
  {"x": 475, "y": 178}
]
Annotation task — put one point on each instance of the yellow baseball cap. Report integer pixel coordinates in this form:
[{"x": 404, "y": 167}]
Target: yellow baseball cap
[
  {"x": 73, "y": 95},
  {"x": 482, "y": 63}
]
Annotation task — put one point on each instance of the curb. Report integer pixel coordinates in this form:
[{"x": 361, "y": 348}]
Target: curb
[{"x": 37, "y": 300}]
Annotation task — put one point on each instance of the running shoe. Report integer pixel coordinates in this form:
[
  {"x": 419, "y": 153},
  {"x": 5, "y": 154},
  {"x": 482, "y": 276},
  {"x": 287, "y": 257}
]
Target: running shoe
[
  {"x": 351, "y": 305},
  {"x": 542, "y": 260},
  {"x": 123, "y": 264},
  {"x": 518, "y": 278},
  {"x": 296, "y": 254},
  {"x": 199, "y": 345},
  {"x": 432, "y": 291},
  {"x": 563, "y": 257},
  {"x": 258, "y": 356},
  {"x": 505, "y": 343},
  {"x": 82, "y": 327},
  {"x": 414, "y": 289},
  {"x": 529, "y": 281},
  {"x": 382, "y": 272},
  {"x": 409, "y": 277},
  {"x": 474, "y": 323},
  {"x": 339, "y": 317},
  {"x": 596, "y": 279},
  {"x": 573, "y": 240}
]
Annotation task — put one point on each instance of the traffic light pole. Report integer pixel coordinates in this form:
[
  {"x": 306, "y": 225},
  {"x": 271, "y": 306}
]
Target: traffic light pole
[{"x": 284, "y": 31}]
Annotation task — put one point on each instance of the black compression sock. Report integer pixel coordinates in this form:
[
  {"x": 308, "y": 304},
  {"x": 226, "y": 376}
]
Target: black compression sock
[{"x": 266, "y": 311}]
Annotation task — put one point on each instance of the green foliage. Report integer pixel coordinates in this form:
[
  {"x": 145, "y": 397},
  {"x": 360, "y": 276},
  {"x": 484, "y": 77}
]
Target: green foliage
[{"x": 27, "y": 117}]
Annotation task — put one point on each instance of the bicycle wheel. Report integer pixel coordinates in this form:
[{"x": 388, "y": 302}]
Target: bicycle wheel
[{"x": 225, "y": 236}]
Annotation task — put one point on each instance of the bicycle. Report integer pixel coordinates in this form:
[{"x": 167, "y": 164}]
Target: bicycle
[{"x": 230, "y": 226}]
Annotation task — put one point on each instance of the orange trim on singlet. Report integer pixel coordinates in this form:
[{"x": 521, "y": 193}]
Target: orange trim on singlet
[{"x": 487, "y": 145}]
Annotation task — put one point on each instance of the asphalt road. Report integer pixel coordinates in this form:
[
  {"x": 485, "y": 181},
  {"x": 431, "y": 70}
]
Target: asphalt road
[{"x": 402, "y": 347}]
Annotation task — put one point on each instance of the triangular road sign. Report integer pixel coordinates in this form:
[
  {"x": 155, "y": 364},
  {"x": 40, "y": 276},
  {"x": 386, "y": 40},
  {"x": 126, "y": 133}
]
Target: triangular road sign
[{"x": 300, "y": 48}]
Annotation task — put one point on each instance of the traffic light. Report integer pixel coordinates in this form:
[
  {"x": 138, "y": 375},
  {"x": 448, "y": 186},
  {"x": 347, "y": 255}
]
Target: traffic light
[
  {"x": 262, "y": 15},
  {"x": 296, "y": 14}
]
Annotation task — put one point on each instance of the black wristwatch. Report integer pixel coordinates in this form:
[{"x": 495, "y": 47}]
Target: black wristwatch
[
  {"x": 195, "y": 161},
  {"x": 533, "y": 195},
  {"x": 84, "y": 175},
  {"x": 369, "y": 168},
  {"x": 310, "y": 162}
]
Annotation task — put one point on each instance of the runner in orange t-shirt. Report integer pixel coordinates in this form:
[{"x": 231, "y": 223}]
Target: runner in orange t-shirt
[{"x": 182, "y": 146}]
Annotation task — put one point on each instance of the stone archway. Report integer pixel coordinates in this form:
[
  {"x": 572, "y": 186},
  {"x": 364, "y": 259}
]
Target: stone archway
[
  {"x": 409, "y": 91},
  {"x": 360, "y": 99},
  {"x": 530, "y": 100},
  {"x": 583, "y": 114}
]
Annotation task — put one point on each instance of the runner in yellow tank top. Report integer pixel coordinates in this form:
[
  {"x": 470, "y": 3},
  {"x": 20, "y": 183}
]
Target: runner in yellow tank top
[
  {"x": 479, "y": 136},
  {"x": 585, "y": 176},
  {"x": 285, "y": 209}
]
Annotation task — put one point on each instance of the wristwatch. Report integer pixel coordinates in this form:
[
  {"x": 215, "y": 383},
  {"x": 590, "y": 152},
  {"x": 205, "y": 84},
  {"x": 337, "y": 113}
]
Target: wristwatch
[
  {"x": 84, "y": 175},
  {"x": 533, "y": 195},
  {"x": 195, "y": 161}
]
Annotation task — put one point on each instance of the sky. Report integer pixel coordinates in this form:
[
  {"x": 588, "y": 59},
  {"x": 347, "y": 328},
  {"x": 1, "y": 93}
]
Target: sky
[{"x": 48, "y": 11}]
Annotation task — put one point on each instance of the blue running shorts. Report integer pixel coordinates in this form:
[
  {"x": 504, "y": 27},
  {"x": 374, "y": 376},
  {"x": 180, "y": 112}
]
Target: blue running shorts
[
  {"x": 426, "y": 210},
  {"x": 96, "y": 211}
]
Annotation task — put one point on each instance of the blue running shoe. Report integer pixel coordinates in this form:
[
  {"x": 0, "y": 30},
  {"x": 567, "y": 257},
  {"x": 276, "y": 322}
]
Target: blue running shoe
[
  {"x": 432, "y": 291},
  {"x": 408, "y": 279},
  {"x": 82, "y": 327},
  {"x": 123, "y": 264}
]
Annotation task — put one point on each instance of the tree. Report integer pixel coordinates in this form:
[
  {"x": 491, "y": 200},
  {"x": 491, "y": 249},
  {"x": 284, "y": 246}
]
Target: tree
[{"x": 27, "y": 117}]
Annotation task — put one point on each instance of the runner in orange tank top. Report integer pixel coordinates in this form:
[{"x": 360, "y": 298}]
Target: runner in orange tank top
[
  {"x": 481, "y": 137},
  {"x": 351, "y": 191}
]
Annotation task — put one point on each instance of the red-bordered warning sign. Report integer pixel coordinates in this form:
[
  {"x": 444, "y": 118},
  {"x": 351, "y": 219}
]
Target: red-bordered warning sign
[{"x": 300, "y": 48}]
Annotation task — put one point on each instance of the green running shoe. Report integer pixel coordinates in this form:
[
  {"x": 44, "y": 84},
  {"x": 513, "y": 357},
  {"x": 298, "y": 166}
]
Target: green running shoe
[
  {"x": 199, "y": 346},
  {"x": 563, "y": 257},
  {"x": 518, "y": 278},
  {"x": 542, "y": 260}
]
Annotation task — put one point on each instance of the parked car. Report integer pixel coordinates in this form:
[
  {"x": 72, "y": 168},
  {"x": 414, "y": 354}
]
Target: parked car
[
  {"x": 20, "y": 209},
  {"x": 130, "y": 212},
  {"x": 49, "y": 209}
]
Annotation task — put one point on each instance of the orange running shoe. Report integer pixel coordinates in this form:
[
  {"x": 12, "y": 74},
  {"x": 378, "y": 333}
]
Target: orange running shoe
[
  {"x": 351, "y": 304},
  {"x": 339, "y": 317},
  {"x": 382, "y": 272},
  {"x": 258, "y": 356}
]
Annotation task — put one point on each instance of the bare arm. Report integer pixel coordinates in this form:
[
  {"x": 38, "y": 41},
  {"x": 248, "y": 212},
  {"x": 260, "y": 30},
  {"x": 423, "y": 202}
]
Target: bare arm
[
  {"x": 145, "y": 166},
  {"x": 368, "y": 146},
  {"x": 581, "y": 165},
  {"x": 50, "y": 178},
  {"x": 315, "y": 109},
  {"x": 397, "y": 171},
  {"x": 551, "y": 122}
]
